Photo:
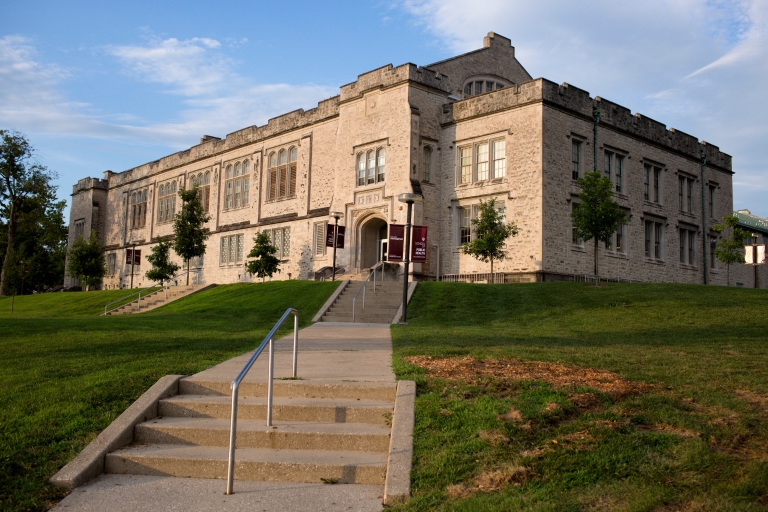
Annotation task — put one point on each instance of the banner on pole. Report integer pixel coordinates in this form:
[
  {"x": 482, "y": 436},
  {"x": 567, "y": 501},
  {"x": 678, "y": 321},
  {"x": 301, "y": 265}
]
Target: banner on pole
[
  {"x": 419, "y": 250},
  {"x": 339, "y": 240},
  {"x": 749, "y": 254},
  {"x": 396, "y": 242}
]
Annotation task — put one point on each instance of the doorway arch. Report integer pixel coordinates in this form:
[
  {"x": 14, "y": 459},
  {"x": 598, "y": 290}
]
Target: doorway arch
[{"x": 372, "y": 231}]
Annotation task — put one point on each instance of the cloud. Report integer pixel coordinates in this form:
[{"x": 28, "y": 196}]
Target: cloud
[{"x": 696, "y": 65}]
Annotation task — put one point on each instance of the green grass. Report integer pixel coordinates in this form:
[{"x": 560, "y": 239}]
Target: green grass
[
  {"x": 67, "y": 373},
  {"x": 701, "y": 347}
]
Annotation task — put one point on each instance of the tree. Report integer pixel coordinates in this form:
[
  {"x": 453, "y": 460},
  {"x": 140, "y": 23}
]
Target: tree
[
  {"x": 266, "y": 263},
  {"x": 188, "y": 227},
  {"x": 160, "y": 258},
  {"x": 598, "y": 216},
  {"x": 490, "y": 233},
  {"x": 20, "y": 179},
  {"x": 730, "y": 249},
  {"x": 86, "y": 261}
]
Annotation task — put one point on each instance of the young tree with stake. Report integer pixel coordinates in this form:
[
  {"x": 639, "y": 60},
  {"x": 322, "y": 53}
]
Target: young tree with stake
[
  {"x": 490, "y": 233},
  {"x": 730, "y": 250},
  {"x": 188, "y": 227},
  {"x": 265, "y": 263},
  {"x": 598, "y": 216}
]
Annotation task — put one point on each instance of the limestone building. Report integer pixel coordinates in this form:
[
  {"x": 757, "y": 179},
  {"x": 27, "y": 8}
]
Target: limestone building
[{"x": 462, "y": 130}]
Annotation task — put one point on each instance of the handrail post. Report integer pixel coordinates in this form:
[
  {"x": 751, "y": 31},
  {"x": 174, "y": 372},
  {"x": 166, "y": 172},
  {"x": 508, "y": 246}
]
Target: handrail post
[
  {"x": 269, "y": 383},
  {"x": 232, "y": 434},
  {"x": 354, "y": 299},
  {"x": 295, "y": 343}
]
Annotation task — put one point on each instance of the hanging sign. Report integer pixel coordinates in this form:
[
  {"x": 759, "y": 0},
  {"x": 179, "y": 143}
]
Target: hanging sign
[
  {"x": 396, "y": 242},
  {"x": 133, "y": 256},
  {"x": 749, "y": 254},
  {"x": 419, "y": 250},
  {"x": 339, "y": 240}
]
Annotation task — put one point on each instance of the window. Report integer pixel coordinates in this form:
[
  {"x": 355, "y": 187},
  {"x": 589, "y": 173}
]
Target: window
[
  {"x": 482, "y": 161},
  {"x": 166, "y": 202},
  {"x": 685, "y": 194},
  {"x": 197, "y": 261},
  {"x": 203, "y": 184},
  {"x": 236, "y": 184},
  {"x": 360, "y": 169},
  {"x": 575, "y": 240},
  {"x": 614, "y": 169},
  {"x": 281, "y": 238},
  {"x": 465, "y": 156},
  {"x": 575, "y": 159},
  {"x": 499, "y": 158},
  {"x": 111, "y": 264},
  {"x": 231, "y": 249},
  {"x": 654, "y": 235},
  {"x": 652, "y": 183},
  {"x": 427, "y": 163},
  {"x": 282, "y": 174},
  {"x": 474, "y": 87},
  {"x": 465, "y": 231},
  {"x": 381, "y": 157},
  {"x": 138, "y": 209},
  {"x": 687, "y": 246},
  {"x": 712, "y": 247},
  {"x": 711, "y": 201},
  {"x": 320, "y": 229},
  {"x": 79, "y": 229},
  {"x": 618, "y": 241}
]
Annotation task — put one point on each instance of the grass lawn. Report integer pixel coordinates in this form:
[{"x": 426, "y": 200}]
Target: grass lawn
[
  {"x": 66, "y": 373},
  {"x": 692, "y": 434}
]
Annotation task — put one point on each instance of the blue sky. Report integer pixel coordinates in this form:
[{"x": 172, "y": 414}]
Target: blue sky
[{"x": 103, "y": 85}]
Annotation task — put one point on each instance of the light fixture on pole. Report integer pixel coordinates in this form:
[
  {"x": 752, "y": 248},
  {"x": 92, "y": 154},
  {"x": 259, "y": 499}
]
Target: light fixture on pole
[
  {"x": 336, "y": 216},
  {"x": 408, "y": 199}
]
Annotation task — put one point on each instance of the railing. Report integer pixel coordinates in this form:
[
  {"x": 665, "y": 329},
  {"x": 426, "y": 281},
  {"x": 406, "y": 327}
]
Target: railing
[
  {"x": 326, "y": 272},
  {"x": 362, "y": 288},
  {"x": 475, "y": 277},
  {"x": 589, "y": 278},
  {"x": 241, "y": 376},
  {"x": 138, "y": 303}
]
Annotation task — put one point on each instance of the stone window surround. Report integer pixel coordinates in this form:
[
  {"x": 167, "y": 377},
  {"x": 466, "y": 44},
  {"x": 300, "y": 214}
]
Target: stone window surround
[
  {"x": 662, "y": 170},
  {"x": 225, "y": 256},
  {"x": 203, "y": 178},
  {"x": 658, "y": 223},
  {"x": 171, "y": 203},
  {"x": 245, "y": 199},
  {"x": 138, "y": 207},
  {"x": 362, "y": 157},
  {"x": 472, "y": 144},
  {"x": 292, "y": 172},
  {"x": 582, "y": 143},
  {"x": 691, "y": 231},
  {"x": 485, "y": 80},
  {"x": 615, "y": 155}
]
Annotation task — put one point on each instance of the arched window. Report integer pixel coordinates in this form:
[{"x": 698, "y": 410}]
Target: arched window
[
  {"x": 427, "y": 163},
  {"x": 382, "y": 160},
  {"x": 360, "y": 169},
  {"x": 138, "y": 209},
  {"x": 481, "y": 84},
  {"x": 205, "y": 191},
  {"x": 282, "y": 174},
  {"x": 236, "y": 185},
  {"x": 229, "y": 184},
  {"x": 166, "y": 202}
]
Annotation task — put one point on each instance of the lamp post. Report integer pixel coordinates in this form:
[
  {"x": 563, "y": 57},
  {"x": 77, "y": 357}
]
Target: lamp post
[
  {"x": 133, "y": 259},
  {"x": 754, "y": 255},
  {"x": 336, "y": 216},
  {"x": 409, "y": 199}
]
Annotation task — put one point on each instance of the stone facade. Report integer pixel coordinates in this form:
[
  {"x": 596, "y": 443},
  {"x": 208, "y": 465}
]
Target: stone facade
[{"x": 516, "y": 135}]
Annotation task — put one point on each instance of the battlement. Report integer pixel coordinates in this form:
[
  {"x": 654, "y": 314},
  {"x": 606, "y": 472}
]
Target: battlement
[
  {"x": 388, "y": 75},
  {"x": 578, "y": 101},
  {"x": 89, "y": 183},
  {"x": 213, "y": 146}
]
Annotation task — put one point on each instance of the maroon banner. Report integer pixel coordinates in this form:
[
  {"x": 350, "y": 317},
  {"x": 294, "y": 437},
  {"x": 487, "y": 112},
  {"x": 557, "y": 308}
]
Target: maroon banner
[
  {"x": 135, "y": 255},
  {"x": 396, "y": 242},
  {"x": 339, "y": 240},
  {"x": 419, "y": 246}
]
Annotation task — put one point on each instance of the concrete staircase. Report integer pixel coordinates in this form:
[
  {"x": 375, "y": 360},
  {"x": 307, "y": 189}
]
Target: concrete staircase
[
  {"x": 335, "y": 432},
  {"x": 157, "y": 299},
  {"x": 380, "y": 306}
]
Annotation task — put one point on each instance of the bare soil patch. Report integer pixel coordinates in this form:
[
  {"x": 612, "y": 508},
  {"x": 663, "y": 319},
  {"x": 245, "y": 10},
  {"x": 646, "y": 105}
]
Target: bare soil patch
[
  {"x": 756, "y": 399},
  {"x": 491, "y": 481},
  {"x": 559, "y": 375}
]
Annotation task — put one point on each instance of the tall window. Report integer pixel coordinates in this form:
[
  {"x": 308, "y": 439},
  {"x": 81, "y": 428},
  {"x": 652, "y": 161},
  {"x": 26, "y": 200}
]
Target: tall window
[
  {"x": 687, "y": 246},
  {"x": 360, "y": 169},
  {"x": 575, "y": 159},
  {"x": 281, "y": 238},
  {"x": 465, "y": 231},
  {"x": 652, "y": 182},
  {"x": 499, "y": 158},
  {"x": 482, "y": 161},
  {"x": 203, "y": 184},
  {"x": 282, "y": 174},
  {"x": 371, "y": 167},
  {"x": 711, "y": 201},
  {"x": 575, "y": 240},
  {"x": 614, "y": 169},
  {"x": 231, "y": 249},
  {"x": 690, "y": 196},
  {"x": 381, "y": 158},
  {"x": 138, "y": 209},
  {"x": 79, "y": 229},
  {"x": 236, "y": 185},
  {"x": 166, "y": 202},
  {"x": 685, "y": 193},
  {"x": 319, "y": 236},
  {"x": 111, "y": 264},
  {"x": 618, "y": 241},
  {"x": 427, "y": 163},
  {"x": 654, "y": 236},
  {"x": 465, "y": 155}
]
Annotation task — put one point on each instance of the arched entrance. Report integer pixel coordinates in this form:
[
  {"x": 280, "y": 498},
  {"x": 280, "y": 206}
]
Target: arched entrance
[{"x": 372, "y": 233}]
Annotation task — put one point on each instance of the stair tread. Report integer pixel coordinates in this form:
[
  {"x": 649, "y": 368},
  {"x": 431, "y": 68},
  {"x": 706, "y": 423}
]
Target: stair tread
[
  {"x": 281, "y": 400},
  {"x": 282, "y": 427}
]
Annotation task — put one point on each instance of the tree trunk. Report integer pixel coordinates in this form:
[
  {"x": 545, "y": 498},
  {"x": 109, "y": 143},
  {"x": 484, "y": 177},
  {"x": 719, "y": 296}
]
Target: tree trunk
[
  {"x": 187, "y": 272},
  {"x": 597, "y": 275},
  {"x": 728, "y": 274},
  {"x": 11, "y": 239},
  {"x": 492, "y": 280}
]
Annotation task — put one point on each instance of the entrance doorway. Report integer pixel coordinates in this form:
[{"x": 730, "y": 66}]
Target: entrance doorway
[
  {"x": 373, "y": 240},
  {"x": 383, "y": 250}
]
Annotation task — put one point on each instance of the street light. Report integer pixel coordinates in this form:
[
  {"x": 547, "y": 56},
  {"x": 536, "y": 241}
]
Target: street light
[
  {"x": 409, "y": 199},
  {"x": 337, "y": 216}
]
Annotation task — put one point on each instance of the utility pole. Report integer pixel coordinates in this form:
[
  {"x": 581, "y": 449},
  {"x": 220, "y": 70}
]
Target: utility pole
[
  {"x": 336, "y": 216},
  {"x": 703, "y": 215},
  {"x": 409, "y": 199}
]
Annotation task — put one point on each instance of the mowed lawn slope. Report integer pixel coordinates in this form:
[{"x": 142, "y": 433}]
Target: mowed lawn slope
[
  {"x": 66, "y": 373},
  {"x": 687, "y": 430}
]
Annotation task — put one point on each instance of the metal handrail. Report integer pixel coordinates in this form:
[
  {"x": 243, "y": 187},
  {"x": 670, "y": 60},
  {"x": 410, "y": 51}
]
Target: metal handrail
[
  {"x": 362, "y": 288},
  {"x": 241, "y": 376},
  {"x": 130, "y": 295}
]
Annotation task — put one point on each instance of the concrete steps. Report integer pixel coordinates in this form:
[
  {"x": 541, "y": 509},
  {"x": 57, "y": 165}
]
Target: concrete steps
[
  {"x": 321, "y": 430},
  {"x": 381, "y": 305},
  {"x": 157, "y": 299}
]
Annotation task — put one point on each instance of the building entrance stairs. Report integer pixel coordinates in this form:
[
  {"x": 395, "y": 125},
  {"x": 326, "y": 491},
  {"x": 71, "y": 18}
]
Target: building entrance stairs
[
  {"x": 158, "y": 298},
  {"x": 378, "y": 307}
]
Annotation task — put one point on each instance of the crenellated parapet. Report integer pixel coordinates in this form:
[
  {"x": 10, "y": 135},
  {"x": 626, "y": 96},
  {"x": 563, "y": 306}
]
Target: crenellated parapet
[
  {"x": 578, "y": 102},
  {"x": 89, "y": 183},
  {"x": 388, "y": 76}
]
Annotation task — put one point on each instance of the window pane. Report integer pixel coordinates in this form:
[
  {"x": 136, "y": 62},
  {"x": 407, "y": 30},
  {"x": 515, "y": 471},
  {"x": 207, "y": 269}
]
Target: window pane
[
  {"x": 286, "y": 242},
  {"x": 656, "y": 180},
  {"x": 239, "y": 248},
  {"x": 479, "y": 87},
  {"x": 488, "y": 86},
  {"x": 371, "y": 167},
  {"x": 466, "y": 165},
  {"x": 294, "y": 154},
  {"x": 608, "y": 158},
  {"x": 272, "y": 160},
  {"x": 224, "y": 250},
  {"x": 499, "y": 158},
  {"x": 690, "y": 196},
  {"x": 680, "y": 188},
  {"x": 208, "y": 178},
  {"x": 575, "y": 160},
  {"x": 278, "y": 240},
  {"x": 360, "y": 169},
  {"x": 691, "y": 246},
  {"x": 238, "y": 187},
  {"x": 619, "y": 172},
  {"x": 464, "y": 225},
  {"x": 382, "y": 163},
  {"x": 683, "y": 245},
  {"x": 246, "y": 167},
  {"x": 468, "y": 89},
  {"x": 657, "y": 242},
  {"x": 482, "y": 162},
  {"x": 319, "y": 238},
  {"x": 232, "y": 248},
  {"x": 647, "y": 184},
  {"x": 230, "y": 173},
  {"x": 246, "y": 181},
  {"x": 648, "y": 237}
]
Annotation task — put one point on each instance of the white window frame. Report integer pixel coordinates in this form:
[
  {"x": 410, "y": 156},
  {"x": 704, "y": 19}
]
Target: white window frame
[
  {"x": 471, "y": 169},
  {"x": 231, "y": 249},
  {"x": 281, "y": 238},
  {"x": 320, "y": 234}
]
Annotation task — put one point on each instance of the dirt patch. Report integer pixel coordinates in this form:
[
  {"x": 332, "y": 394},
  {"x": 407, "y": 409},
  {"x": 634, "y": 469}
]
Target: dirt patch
[
  {"x": 559, "y": 375},
  {"x": 663, "y": 428},
  {"x": 513, "y": 416},
  {"x": 756, "y": 399},
  {"x": 495, "y": 437},
  {"x": 491, "y": 481}
]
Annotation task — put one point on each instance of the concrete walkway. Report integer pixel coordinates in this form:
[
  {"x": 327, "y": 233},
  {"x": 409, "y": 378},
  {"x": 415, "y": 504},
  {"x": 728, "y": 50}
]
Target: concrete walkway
[{"x": 328, "y": 352}]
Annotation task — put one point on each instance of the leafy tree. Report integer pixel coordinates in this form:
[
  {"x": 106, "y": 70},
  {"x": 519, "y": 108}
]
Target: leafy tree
[
  {"x": 160, "y": 259},
  {"x": 86, "y": 261},
  {"x": 265, "y": 263},
  {"x": 730, "y": 249},
  {"x": 598, "y": 216},
  {"x": 188, "y": 227},
  {"x": 14, "y": 273},
  {"x": 20, "y": 179},
  {"x": 490, "y": 233}
]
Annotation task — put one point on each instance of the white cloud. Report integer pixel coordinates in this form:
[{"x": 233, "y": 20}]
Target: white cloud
[{"x": 696, "y": 65}]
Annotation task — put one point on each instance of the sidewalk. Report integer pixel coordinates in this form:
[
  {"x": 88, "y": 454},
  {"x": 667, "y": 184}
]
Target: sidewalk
[{"x": 328, "y": 352}]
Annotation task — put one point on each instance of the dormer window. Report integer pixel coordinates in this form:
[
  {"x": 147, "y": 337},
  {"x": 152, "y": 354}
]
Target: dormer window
[{"x": 480, "y": 84}]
